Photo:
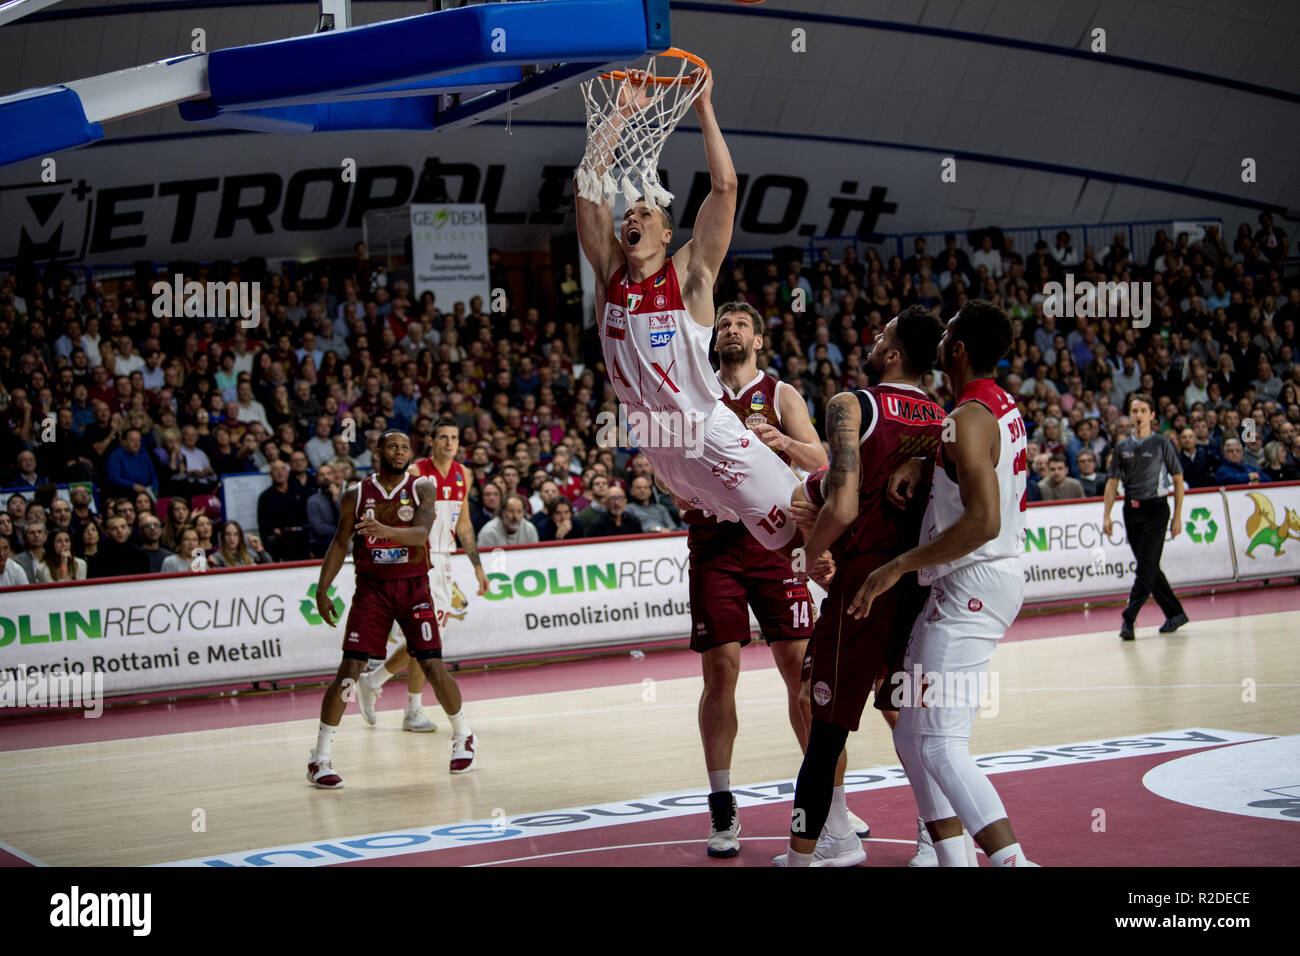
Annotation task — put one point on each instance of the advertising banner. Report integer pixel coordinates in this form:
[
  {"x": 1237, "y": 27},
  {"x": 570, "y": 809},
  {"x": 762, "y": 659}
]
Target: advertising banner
[
  {"x": 1266, "y": 530},
  {"x": 449, "y": 251},
  {"x": 1068, "y": 556}
]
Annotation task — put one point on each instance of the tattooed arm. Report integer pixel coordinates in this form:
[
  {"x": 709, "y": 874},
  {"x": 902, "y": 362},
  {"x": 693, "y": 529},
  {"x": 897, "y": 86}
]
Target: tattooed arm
[
  {"x": 468, "y": 541},
  {"x": 843, "y": 418}
]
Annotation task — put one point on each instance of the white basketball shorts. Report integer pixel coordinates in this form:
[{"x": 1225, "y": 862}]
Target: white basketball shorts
[
  {"x": 952, "y": 641},
  {"x": 733, "y": 475}
]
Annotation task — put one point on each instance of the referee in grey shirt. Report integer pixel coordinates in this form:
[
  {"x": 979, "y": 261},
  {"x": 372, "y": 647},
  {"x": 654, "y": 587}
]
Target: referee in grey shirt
[{"x": 1141, "y": 462}]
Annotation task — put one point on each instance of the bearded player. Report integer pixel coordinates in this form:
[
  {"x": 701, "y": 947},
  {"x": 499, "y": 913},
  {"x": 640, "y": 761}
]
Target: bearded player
[
  {"x": 730, "y": 572},
  {"x": 971, "y": 546},
  {"x": 871, "y": 431},
  {"x": 655, "y": 317},
  {"x": 388, "y": 518},
  {"x": 451, "y": 522}
]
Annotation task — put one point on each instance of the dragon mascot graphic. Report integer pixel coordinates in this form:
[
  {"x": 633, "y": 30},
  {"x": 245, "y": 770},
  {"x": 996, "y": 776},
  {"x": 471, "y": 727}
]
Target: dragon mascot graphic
[{"x": 1263, "y": 528}]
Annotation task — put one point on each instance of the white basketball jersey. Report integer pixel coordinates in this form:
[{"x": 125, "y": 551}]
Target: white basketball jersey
[
  {"x": 656, "y": 355},
  {"x": 451, "y": 490},
  {"x": 945, "y": 505}
]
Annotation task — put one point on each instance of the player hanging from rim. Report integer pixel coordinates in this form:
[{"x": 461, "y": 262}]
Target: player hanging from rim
[
  {"x": 871, "y": 431},
  {"x": 655, "y": 318},
  {"x": 387, "y": 517},
  {"x": 452, "y": 522},
  {"x": 730, "y": 572},
  {"x": 970, "y": 552}
]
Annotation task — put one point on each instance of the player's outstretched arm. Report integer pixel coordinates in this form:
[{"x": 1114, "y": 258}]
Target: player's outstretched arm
[
  {"x": 799, "y": 440},
  {"x": 843, "y": 418},
  {"x": 336, "y": 554},
  {"x": 973, "y": 451},
  {"x": 711, "y": 236},
  {"x": 469, "y": 542}
]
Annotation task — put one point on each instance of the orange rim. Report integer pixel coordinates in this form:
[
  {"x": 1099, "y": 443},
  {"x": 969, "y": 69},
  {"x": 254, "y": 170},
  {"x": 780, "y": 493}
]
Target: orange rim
[{"x": 664, "y": 80}]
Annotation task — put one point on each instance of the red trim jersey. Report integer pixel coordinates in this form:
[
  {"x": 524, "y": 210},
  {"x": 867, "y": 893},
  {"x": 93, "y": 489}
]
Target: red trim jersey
[
  {"x": 945, "y": 506},
  {"x": 383, "y": 558},
  {"x": 451, "y": 491}
]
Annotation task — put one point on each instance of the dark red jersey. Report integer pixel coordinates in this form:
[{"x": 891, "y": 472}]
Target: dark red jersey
[
  {"x": 380, "y": 558},
  {"x": 898, "y": 422}
]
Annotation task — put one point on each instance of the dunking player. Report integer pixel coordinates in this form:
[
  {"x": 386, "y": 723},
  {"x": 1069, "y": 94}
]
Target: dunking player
[
  {"x": 871, "y": 432},
  {"x": 731, "y": 572},
  {"x": 389, "y": 515},
  {"x": 655, "y": 317},
  {"x": 970, "y": 551},
  {"x": 451, "y": 521}
]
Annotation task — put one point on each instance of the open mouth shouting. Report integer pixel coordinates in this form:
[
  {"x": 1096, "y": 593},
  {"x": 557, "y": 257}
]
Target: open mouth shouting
[{"x": 633, "y": 235}]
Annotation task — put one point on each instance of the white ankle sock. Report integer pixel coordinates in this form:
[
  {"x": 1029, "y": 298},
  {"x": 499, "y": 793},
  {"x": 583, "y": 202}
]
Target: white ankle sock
[
  {"x": 951, "y": 852},
  {"x": 379, "y": 677},
  {"x": 459, "y": 726},
  {"x": 837, "y": 822},
  {"x": 719, "y": 781},
  {"x": 1009, "y": 855},
  {"x": 414, "y": 701},
  {"x": 795, "y": 858},
  {"x": 324, "y": 741}
]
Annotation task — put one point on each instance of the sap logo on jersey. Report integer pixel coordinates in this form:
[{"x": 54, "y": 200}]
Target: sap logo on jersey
[{"x": 662, "y": 327}]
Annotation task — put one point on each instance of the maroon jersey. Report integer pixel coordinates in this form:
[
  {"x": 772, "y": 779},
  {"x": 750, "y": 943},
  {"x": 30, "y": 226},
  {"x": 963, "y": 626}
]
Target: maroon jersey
[
  {"x": 898, "y": 422},
  {"x": 755, "y": 404},
  {"x": 381, "y": 558}
]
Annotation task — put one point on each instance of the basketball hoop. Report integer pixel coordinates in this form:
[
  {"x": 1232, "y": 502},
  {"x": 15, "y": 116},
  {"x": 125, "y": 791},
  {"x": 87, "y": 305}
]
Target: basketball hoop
[{"x": 624, "y": 139}]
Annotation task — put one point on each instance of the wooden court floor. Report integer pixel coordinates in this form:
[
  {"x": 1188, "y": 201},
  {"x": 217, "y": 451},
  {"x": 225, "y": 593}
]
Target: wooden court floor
[{"x": 139, "y": 800}]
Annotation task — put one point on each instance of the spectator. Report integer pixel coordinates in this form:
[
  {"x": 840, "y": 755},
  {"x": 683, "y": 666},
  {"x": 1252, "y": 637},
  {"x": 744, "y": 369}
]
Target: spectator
[
  {"x": 1197, "y": 469},
  {"x": 129, "y": 469},
  {"x": 1059, "y": 486},
  {"x": 1090, "y": 479},
  {"x": 233, "y": 552},
  {"x": 1233, "y": 470},
  {"x": 560, "y": 525},
  {"x": 202, "y": 525},
  {"x": 595, "y": 494},
  {"x": 117, "y": 556},
  {"x": 547, "y": 491},
  {"x": 642, "y": 506},
  {"x": 150, "y": 529},
  {"x": 320, "y": 447},
  {"x": 184, "y": 558},
  {"x": 282, "y": 517},
  {"x": 26, "y": 477},
  {"x": 62, "y": 564},
  {"x": 510, "y": 527},
  {"x": 323, "y": 510},
  {"x": 34, "y": 537},
  {"x": 11, "y": 573},
  {"x": 486, "y": 508},
  {"x": 615, "y": 520},
  {"x": 87, "y": 541}
]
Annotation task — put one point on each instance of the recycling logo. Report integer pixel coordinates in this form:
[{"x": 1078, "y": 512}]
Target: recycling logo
[
  {"x": 1201, "y": 527},
  {"x": 308, "y": 605}
]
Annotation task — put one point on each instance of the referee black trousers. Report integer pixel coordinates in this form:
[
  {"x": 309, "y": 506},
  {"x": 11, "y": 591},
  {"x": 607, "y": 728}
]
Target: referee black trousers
[{"x": 1146, "y": 526}]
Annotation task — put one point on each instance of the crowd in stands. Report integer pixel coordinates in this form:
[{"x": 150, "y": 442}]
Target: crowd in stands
[{"x": 143, "y": 416}]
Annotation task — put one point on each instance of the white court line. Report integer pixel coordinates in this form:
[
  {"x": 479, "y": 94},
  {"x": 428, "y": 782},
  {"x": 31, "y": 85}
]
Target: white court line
[
  {"x": 638, "y": 846},
  {"x": 20, "y": 854}
]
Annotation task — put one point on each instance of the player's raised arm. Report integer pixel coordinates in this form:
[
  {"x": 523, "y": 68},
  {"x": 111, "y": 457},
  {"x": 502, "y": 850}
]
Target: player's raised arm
[
  {"x": 469, "y": 542},
  {"x": 711, "y": 237},
  {"x": 596, "y": 219},
  {"x": 336, "y": 554},
  {"x": 799, "y": 440},
  {"x": 422, "y": 524},
  {"x": 843, "y": 419},
  {"x": 973, "y": 451}
]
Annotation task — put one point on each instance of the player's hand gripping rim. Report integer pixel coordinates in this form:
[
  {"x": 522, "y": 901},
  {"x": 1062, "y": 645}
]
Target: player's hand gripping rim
[{"x": 877, "y": 583}]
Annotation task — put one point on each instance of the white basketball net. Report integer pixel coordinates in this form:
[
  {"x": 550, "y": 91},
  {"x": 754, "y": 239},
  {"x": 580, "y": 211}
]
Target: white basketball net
[{"x": 623, "y": 143}]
